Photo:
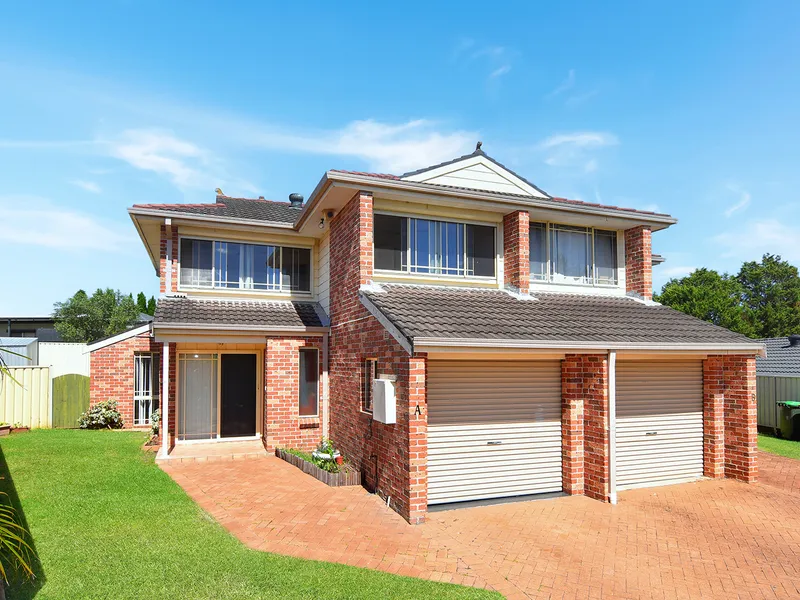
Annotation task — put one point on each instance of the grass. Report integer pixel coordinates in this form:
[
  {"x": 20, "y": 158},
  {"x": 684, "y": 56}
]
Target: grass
[
  {"x": 108, "y": 523},
  {"x": 776, "y": 445}
]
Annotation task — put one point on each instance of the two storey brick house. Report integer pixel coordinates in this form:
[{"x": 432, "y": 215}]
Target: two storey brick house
[{"x": 516, "y": 329}]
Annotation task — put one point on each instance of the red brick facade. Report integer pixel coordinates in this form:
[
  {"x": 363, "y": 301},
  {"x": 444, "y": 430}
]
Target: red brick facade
[
  {"x": 392, "y": 458},
  {"x": 572, "y": 417},
  {"x": 516, "y": 251},
  {"x": 283, "y": 425},
  {"x": 111, "y": 373},
  {"x": 639, "y": 262}
]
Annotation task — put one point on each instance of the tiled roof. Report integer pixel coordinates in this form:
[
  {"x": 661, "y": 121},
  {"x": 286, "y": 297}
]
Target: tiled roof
[
  {"x": 781, "y": 359},
  {"x": 461, "y": 313},
  {"x": 180, "y": 311},
  {"x": 235, "y": 208}
]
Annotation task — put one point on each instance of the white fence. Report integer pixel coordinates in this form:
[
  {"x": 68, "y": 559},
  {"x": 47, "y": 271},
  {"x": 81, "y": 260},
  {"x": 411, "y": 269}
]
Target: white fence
[
  {"x": 64, "y": 358},
  {"x": 27, "y": 402},
  {"x": 771, "y": 390}
]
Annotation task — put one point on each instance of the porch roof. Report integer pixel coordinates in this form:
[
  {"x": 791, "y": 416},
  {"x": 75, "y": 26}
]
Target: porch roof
[{"x": 177, "y": 312}]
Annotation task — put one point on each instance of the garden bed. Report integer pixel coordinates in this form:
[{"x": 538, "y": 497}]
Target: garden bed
[{"x": 346, "y": 476}]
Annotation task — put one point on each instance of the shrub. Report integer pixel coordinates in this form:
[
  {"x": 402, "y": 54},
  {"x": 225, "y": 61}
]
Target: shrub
[
  {"x": 155, "y": 421},
  {"x": 103, "y": 415}
]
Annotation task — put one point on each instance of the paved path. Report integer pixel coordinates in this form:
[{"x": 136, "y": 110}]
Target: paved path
[{"x": 711, "y": 539}]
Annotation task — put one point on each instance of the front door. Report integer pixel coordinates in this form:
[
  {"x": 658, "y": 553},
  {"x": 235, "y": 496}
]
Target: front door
[{"x": 238, "y": 395}]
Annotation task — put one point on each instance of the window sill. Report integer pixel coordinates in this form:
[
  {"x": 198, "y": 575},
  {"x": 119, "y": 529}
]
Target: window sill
[
  {"x": 428, "y": 277},
  {"x": 309, "y": 423}
]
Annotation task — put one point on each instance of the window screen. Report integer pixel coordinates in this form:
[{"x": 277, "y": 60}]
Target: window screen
[
  {"x": 390, "y": 242},
  {"x": 309, "y": 382}
]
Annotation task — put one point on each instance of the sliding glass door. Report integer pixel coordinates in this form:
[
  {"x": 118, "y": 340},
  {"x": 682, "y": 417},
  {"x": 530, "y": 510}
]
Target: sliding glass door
[{"x": 198, "y": 401}]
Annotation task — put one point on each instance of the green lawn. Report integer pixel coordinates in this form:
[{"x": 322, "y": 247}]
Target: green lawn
[
  {"x": 108, "y": 523},
  {"x": 778, "y": 446}
]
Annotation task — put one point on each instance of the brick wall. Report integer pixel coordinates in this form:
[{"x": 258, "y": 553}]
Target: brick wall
[
  {"x": 516, "y": 251},
  {"x": 639, "y": 262},
  {"x": 392, "y": 458},
  {"x": 730, "y": 441},
  {"x": 283, "y": 425},
  {"x": 111, "y": 373},
  {"x": 572, "y": 417},
  {"x": 168, "y": 232}
]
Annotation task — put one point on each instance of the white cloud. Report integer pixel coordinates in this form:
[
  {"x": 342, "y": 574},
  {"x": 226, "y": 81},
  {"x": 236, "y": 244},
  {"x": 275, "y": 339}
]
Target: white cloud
[
  {"x": 89, "y": 186},
  {"x": 742, "y": 203},
  {"x": 676, "y": 271},
  {"x": 575, "y": 150},
  {"x": 394, "y": 148},
  {"x": 757, "y": 238},
  {"x": 490, "y": 51},
  {"x": 564, "y": 86},
  {"x": 499, "y": 72},
  {"x": 578, "y": 99},
  {"x": 26, "y": 220}
]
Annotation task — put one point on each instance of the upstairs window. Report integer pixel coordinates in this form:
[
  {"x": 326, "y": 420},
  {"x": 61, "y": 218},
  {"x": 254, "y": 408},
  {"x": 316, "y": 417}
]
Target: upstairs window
[
  {"x": 573, "y": 255},
  {"x": 428, "y": 247},
  {"x": 234, "y": 265}
]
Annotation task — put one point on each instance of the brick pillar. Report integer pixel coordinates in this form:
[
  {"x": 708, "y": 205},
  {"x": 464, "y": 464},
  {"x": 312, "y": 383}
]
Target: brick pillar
[
  {"x": 516, "y": 251},
  {"x": 597, "y": 475},
  {"x": 572, "y": 425},
  {"x": 741, "y": 434},
  {"x": 639, "y": 262},
  {"x": 417, "y": 438},
  {"x": 168, "y": 233},
  {"x": 713, "y": 418}
]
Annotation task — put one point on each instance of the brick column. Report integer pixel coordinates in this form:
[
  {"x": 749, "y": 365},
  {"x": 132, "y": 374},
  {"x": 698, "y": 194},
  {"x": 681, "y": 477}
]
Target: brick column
[
  {"x": 417, "y": 438},
  {"x": 597, "y": 475},
  {"x": 572, "y": 425},
  {"x": 741, "y": 432},
  {"x": 713, "y": 418},
  {"x": 639, "y": 262},
  {"x": 169, "y": 234},
  {"x": 516, "y": 251}
]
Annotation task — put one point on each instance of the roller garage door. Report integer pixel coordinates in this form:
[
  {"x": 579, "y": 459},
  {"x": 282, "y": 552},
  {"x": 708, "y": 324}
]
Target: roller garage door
[
  {"x": 494, "y": 429},
  {"x": 659, "y": 422}
]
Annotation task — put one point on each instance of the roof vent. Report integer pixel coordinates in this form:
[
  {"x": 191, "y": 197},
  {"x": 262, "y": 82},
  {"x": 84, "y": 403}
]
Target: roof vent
[
  {"x": 296, "y": 200},
  {"x": 794, "y": 340}
]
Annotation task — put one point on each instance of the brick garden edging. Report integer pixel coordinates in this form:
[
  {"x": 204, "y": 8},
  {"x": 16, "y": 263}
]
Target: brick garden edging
[{"x": 347, "y": 477}]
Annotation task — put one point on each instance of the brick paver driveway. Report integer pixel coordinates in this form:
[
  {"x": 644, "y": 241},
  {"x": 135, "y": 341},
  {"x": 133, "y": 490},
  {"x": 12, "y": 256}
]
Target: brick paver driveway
[{"x": 715, "y": 539}]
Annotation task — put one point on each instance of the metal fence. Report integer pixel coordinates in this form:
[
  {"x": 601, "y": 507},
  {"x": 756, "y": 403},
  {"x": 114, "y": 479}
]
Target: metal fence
[
  {"x": 26, "y": 402},
  {"x": 771, "y": 390}
]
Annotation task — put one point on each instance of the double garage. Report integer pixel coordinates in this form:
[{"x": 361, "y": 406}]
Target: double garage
[{"x": 494, "y": 427}]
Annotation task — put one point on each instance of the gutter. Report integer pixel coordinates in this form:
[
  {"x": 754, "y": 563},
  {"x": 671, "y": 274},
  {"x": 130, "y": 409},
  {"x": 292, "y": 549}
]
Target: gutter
[
  {"x": 364, "y": 182},
  {"x": 432, "y": 342}
]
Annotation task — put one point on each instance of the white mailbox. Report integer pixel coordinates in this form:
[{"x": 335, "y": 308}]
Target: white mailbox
[{"x": 383, "y": 403}]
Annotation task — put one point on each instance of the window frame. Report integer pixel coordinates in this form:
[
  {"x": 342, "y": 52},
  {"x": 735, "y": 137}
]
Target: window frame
[
  {"x": 370, "y": 367},
  {"x": 155, "y": 386},
  {"x": 215, "y": 288},
  {"x": 300, "y": 374},
  {"x": 409, "y": 273},
  {"x": 591, "y": 232}
]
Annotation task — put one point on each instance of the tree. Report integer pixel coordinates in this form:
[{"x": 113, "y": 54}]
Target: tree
[
  {"x": 151, "y": 306},
  {"x": 83, "y": 318},
  {"x": 771, "y": 292},
  {"x": 141, "y": 303},
  {"x": 707, "y": 295}
]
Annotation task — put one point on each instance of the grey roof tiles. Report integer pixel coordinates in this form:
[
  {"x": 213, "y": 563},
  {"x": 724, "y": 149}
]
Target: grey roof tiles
[
  {"x": 461, "y": 313},
  {"x": 180, "y": 311},
  {"x": 781, "y": 359},
  {"x": 235, "y": 208}
]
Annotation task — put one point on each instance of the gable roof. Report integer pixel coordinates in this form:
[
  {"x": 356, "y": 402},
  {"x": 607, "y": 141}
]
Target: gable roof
[
  {"x": 782, "y": 359},
  {"x": 477, "y": 171},
  {"x": 247, "y": 209},
  {"x": 431, "y": 315}
]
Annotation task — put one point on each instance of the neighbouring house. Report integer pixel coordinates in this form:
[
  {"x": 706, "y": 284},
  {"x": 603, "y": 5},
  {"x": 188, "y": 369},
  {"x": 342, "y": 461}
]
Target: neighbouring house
[
  {"x": 778, "y": 379},
  {"x": 42, "y": 328},
  {"x": 460, "y": 334}
]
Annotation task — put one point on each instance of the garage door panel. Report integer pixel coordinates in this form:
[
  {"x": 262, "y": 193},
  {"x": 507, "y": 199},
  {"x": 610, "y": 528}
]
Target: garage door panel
[
  {"x": 659, "y": 433},
  {"x": 494, "y": 429}
]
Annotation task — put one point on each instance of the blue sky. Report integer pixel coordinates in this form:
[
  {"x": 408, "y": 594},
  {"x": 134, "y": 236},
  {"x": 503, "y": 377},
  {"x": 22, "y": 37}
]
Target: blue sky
[{"x": 687, "y": 108}]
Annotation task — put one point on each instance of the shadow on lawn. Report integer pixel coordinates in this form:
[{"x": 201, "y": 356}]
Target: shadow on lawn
[{"x": 20, "y": 588}]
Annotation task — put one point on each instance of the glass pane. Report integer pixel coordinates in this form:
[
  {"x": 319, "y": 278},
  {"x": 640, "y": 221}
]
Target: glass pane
[
  {"x": 421, "y": 246},
  {"x": 480, "y": 250},
  {"x": 309, "y": 378},
  {"x": 195, "y": 262},
  {"x": 605, "y": 257},
  {"x": 390, "y": 242},
  {"x": 228, "y": 264},
  {"x": 296, "y": 269},
  {"x": 273, "y": 268},
  {"x": 197, "y": 401},
  {"x": 570, "y": 254},
  {"x": 538, "y": 243}
]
